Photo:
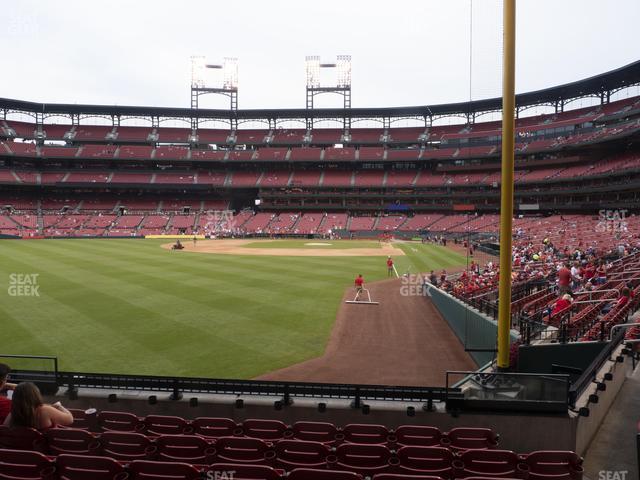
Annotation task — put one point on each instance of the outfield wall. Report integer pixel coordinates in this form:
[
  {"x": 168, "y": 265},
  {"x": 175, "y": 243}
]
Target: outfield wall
[{"x": 475, "y": 330}]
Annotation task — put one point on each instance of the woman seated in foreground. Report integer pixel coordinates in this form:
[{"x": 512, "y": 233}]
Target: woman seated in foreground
[{"x": 29, "y": 410}]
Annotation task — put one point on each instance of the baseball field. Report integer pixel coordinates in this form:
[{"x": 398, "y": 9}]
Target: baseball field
[{"x": 222, "y": 309}]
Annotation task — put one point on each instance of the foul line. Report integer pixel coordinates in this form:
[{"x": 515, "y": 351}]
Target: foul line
[{"x": 395, "y": 271}]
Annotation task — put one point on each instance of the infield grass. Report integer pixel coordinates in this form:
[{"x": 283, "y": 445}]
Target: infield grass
[{"x": 129, "y": 306}]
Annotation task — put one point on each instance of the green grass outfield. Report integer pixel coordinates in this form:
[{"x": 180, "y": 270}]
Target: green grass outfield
[{"x": 129, "y": 306}]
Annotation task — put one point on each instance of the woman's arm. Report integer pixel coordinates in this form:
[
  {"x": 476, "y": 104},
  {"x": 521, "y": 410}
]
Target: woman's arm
[{"x": 57, "y": 415}]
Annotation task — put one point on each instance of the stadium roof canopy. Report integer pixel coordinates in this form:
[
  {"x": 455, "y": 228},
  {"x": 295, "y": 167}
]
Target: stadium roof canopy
[{"x": 600, "y": 86}]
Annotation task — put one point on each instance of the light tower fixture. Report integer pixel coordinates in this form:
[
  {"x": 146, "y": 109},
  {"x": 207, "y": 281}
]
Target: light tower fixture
[
  {"x": 204, "y": 83},
  {"x": 342, "y": 86}
]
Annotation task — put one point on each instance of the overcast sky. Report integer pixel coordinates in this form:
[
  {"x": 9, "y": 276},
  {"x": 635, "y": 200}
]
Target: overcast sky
[{"x": 404, "y": 52}]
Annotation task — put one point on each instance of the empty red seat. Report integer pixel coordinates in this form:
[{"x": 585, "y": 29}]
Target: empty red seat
[
  {"x": 82, "y": 467},
  {"x": 166, "y": 425},
  {"x": 127, "y": 446},
  {"x": 363, "y": 459},
  {"x": 82, "y": 420},
  {"x": 241, "y": 472},
  {"x": 269, "y": 430},
  {"x": 22, "y": 438},
  {"x": 470, "y": 438},
  {"x": 316, "y": 432},
  {"x": 365, "y": 434},
  {"x": 119, "y": 422},
  {"x": 243, "y": 450},
  {"x": 418, "y": 435},
  {"x": 554, "y": 465},
  {"x": 425, "y": 461},
  {"x": 72, "y": 441},
  {"x": 310, "y": 474},
  {"x": 401, "y": 476},
  {"x": 149, "y": 470},
  {"x": 18, "y": 464},
  {"x": 215, "y": 427},
  {"x": 291, "y": 454},
  {"x": 489, "y": 463},
  {"x": 185, "y": 448}
]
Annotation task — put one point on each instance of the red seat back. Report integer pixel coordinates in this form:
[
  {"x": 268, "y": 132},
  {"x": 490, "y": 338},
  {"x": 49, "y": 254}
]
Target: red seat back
[
  {"x": 165, "y": 425},
  {"x": 148, "y": 470},
  {"x": 82, "y": 467},
  {"x": 418, "y": 435},
  {"x": 127, "y": 446},
  {"x": 269, "y": 430},
  {"x": 365, "y": 434},
  {"x": 214, "y": 427},
  {"x": 315, "y": 431},
  {"x": 119, "y": 422},
  {"x": 292, "y": 454},
  {"x": 185, "y": 448},
  {"x": 20, "y": 464},
  {"x": 71, "y": 441}
]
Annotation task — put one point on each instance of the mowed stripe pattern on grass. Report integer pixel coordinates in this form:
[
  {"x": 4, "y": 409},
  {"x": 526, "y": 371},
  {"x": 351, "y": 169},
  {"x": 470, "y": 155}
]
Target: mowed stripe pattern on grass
[{"x": 129, "y": 306}]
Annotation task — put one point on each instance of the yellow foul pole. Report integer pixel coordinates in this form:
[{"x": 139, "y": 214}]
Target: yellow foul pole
[{"x": 506, "y": 194}]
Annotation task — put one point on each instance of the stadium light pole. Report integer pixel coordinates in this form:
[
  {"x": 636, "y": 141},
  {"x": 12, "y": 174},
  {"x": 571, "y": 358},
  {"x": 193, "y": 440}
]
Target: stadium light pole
[{"x": 506, "y": 193}]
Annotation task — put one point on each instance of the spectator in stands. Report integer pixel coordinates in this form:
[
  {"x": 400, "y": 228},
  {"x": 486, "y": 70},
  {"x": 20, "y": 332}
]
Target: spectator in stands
[
  {"x": 564, "y": 279},
  {"x": 29, "y": 410},
  {"x": 433, "y": 278},
  {"x": 558, "y": 307},
  {"x": 5, "y": 402}
]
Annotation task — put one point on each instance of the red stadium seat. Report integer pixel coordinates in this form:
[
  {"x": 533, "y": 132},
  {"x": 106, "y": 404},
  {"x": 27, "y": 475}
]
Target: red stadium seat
[
  {"x": 185, "y": 448},
  {"x": 425, "y": 461},
  {"x": 291, "y": 454},
  {"x": 366, "y": 434},
  {"x": 364, "y": 459},
  {"x": 470, "y": 438},
  {"x": 119, "y": 422},
  {"x": 489, "y": 463},
  {"x": 148, "y": 470},
  {"x": 82, "y": 467},
  {"x": 22, "y": 439},
  {"x": 82, "y": 420},
  {"x": 166, "y": 425},
  {"x": 127, "y": 446},
  {"x": 554, "y": 465},
  {"x": 241, "y": 472},
  {"x": 72, "y": 441},
  {"x": 418, "y": 435},
  {"x": 316, "y": 432},
  {"x": 211, "y": 427},
  {"x": 24, "y": 465},
  {"x": 243, "y": 450},
  {"x": 310, "y": 474},
  {"x": 268, "y": 430},
  {"x": 400, "y": 476}
]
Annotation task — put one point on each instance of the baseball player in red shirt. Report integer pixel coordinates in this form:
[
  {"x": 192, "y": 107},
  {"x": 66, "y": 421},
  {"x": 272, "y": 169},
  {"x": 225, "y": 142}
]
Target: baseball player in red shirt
[{"x": 389, "y": 266}]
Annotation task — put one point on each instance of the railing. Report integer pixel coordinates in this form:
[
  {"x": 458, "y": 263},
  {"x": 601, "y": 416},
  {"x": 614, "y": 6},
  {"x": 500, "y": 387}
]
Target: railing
[
  {"x": 589, "y": 374},
  {"x": 286, "y": 391},
  {"x": 506, "y": 391}
]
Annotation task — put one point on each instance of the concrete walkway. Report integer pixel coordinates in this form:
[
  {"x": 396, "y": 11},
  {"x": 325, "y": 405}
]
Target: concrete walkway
[{"x": 613, "y": 449}]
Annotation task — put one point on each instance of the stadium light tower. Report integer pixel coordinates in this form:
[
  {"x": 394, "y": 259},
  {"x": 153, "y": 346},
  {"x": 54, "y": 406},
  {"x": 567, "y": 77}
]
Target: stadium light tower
[
  {"x": 342, "y": 87},
  {"x": 227, "y": 87}
]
